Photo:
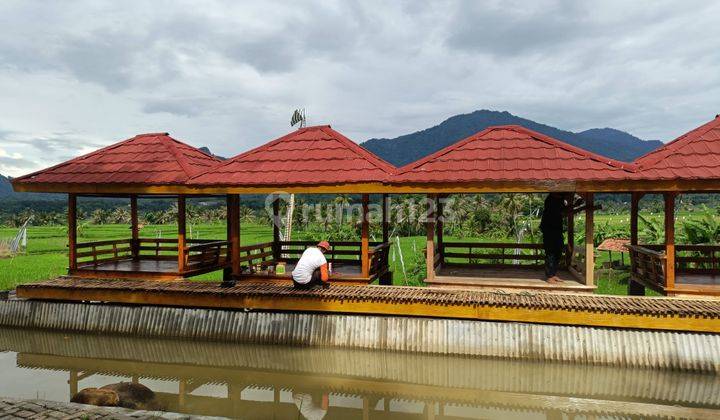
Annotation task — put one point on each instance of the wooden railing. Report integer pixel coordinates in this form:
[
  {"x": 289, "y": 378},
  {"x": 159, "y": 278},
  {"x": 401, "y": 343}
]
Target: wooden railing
[
  {"x": 492, "y": 255},
  {"x": 103, "y": 251},
  {"x": 345, "y": 252},
  {"x": 202, "y": 254},
  {"x": 647, "y": 266},
  {"x": 257, "y": 254},
  {"x": 199, "y": 253}
]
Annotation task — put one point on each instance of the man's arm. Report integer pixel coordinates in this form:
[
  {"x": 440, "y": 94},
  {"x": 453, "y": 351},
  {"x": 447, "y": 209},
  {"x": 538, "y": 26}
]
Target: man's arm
[{"x": 324, "y": 275}]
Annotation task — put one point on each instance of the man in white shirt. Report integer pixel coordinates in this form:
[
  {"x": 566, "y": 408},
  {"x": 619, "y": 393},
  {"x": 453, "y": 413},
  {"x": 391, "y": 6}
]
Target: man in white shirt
[{"x": 312, "y": 268}]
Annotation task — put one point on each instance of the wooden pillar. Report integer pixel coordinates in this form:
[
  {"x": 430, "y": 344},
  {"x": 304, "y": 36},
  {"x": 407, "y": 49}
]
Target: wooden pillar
[
  {"x": 634, "y": 211},
  {"x": 589, "y": 246},
  {"x": 233, "y": 234},
  {"x": 570, "y": 249},
  {"x": 430, "y": 245},
  {"x": 385, "y": 217},
  {"x": 670, "y": 240},
  {"x": 276, "y": 227},
  {"x": 439, "y": 227},
  {"x": 634, "y": 288},
  {"x": 72, "y": 231},
  {"x": 365, "y": 238},
  {"x": 181, "y": 233},
  {"x": 134, "y": 247}
]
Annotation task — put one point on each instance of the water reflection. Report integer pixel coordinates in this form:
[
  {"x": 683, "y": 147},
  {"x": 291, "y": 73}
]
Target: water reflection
[{"x": 259, "y": 382}]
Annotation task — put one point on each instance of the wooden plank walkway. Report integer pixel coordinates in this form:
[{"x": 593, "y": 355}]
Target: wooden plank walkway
[{"x": 547, "y": 308}]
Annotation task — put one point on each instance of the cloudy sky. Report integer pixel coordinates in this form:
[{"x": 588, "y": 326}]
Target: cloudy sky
[{"x": 76, "y": 75}]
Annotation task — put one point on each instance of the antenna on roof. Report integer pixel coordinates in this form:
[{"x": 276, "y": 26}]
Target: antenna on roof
[{"x": 298, "y": 117}]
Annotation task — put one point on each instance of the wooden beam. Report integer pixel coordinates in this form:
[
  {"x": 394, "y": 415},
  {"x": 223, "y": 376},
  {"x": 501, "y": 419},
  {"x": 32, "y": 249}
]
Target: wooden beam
[
  {"x": 134, "y": 226},
  {"x": 276, "y": 226},
  {"x": 589, "y": 246},
  {"x": 570, "y": 249},
  {"x": 439, "y": 227},
  {"x": 365, "y": 237},
  {"x": 181, "y": 233},
  {"x": 634, "y": 212},
  {"x": 233, "y": 222},
  {"x": 670, "y": 240},
  {"x": 72, "y": 231},
  {"x": 430, "y": 238},
  {"x": 385, "y": 218}
]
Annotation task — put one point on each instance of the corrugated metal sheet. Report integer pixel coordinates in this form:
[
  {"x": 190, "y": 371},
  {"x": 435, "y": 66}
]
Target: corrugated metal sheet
[
  {"x": 309, "y": 156},
  {"x": 683, "y": 351},
  {"x": 153, "y": 159}
]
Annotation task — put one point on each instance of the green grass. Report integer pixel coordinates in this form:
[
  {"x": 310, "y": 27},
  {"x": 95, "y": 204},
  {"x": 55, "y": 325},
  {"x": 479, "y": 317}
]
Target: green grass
[{"x": 47, "y": 251}]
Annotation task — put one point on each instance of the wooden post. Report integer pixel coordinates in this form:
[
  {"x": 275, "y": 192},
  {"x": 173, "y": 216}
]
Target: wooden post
[
  {"x": 589, "y": 246},
  {"x": 385, "y": 217},
  {"x": 181, "y": 234},
  {"x": 365, "y": 239},
  {"x": 570, "y": 249},
  {"x": 72, "y": 231},
  {"x": 134, "y": 247},
  {"x": 276, "y": 228},
  {"x": 430, "y": 230},
  {"x": 233, "y": 234},
  {"x": 439, "y": 227},
  {"x": 634, "y": 288},
  {"x": 669, "y": 240},
  {"x": 74, "y": 383}
]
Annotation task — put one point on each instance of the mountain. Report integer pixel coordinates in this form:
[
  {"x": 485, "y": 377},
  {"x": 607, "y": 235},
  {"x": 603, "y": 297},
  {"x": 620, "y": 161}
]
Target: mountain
[
  {"x": 5, "y": 187},
  {"x": 408, "y": 148}
]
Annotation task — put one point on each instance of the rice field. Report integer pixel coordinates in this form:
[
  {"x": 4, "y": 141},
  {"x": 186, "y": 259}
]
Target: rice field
[{"x": 46, "y": 256}]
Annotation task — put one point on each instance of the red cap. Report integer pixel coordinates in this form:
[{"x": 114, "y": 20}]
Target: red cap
[{"x": 324, "y": 244}]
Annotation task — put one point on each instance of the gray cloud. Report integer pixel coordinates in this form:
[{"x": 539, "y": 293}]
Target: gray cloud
[{"x": 227, "y": 75}]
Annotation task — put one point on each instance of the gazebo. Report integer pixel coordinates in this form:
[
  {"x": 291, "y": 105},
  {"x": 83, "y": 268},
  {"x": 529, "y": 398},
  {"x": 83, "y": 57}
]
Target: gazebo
[
  {"x": 147, "y": 165},
  {"x": 689, "y": 164},
  {"x": 311, "y": 160},
  {"x": 509, "y": 159}
]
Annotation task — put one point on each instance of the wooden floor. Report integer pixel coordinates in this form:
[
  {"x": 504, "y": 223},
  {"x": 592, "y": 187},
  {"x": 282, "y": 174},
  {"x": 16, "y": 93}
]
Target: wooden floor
[
  {"x": 148, "y": 266},
  {"x": 506, "y": 278}
]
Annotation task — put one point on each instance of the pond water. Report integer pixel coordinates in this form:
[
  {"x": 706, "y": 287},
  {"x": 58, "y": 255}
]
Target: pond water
[{"x": 260, "y": 382}]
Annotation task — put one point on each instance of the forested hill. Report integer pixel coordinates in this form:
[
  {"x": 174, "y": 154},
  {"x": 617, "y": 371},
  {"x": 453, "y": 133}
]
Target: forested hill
[
  {"x": 408, "y": 148},
  {"x": 5, "y": 187}
]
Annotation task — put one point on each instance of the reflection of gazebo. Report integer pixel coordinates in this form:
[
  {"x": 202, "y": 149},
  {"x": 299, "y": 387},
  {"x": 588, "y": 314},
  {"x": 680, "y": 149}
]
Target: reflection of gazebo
[{"x": 147, "y": 165}]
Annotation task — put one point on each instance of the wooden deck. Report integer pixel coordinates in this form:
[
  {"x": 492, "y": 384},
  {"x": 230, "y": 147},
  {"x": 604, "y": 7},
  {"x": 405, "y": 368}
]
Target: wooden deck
[
  {"x": 143, "y": 268},
  {"x": 544, "y": 308},
  {"x": 529, "y": 278}
]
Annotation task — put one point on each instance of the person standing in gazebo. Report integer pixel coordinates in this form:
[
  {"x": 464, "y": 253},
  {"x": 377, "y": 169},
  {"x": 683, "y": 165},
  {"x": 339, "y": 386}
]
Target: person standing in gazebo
[{"x": 551, "y": 226}]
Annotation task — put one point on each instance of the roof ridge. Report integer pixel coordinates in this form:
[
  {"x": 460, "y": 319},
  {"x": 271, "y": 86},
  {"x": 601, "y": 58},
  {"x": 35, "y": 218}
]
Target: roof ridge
[
  {"x": 697, "y": 132},
  {"x": 179, "y": 156},
  {"x": 362, "y": 152}
]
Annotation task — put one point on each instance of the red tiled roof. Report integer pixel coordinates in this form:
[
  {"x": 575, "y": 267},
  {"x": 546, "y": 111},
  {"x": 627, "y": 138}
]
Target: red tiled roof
[
  {"x": 309, "y": 156},
  {"x": 694, "y": 155},
  {"x": 149, "y": 159},
  {"x": 512, "y": 153}
]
